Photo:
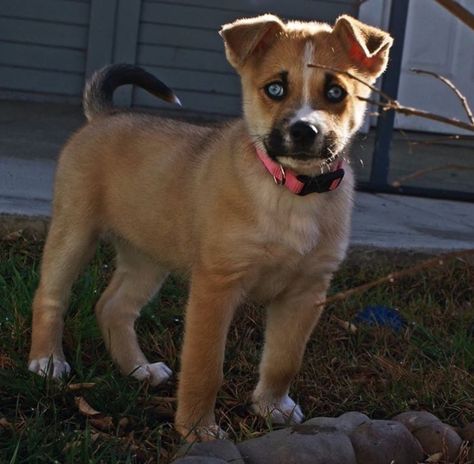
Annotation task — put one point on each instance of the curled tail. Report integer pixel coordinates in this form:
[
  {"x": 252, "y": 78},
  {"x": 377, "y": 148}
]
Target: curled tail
[{"x": 100, "y": 87}]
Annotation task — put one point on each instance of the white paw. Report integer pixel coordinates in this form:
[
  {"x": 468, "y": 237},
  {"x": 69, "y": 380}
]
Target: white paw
[
  {"x": 209, "y": 433},
  {"x": 52, "y": 366},
  {"x": 282, "y": 411},
  {"x": 155, "y": 373},
  {"x": 202, "y": 433}
]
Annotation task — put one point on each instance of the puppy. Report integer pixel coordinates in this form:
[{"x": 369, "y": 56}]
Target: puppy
[{"x": 257, "y": 208}]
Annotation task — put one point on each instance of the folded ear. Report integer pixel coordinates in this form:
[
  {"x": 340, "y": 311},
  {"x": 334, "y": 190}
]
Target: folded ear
[
  {"x": 366, "y": 46},
  {"x": 249, "y": 36}
]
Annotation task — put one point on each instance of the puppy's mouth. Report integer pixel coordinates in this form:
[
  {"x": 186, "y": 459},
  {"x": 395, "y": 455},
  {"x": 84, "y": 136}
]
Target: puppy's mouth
[
  {"x": 305, "y": 160},
  {"x": 306, "y": 165}
]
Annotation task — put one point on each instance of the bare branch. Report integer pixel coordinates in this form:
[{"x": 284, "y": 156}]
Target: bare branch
[
  {"x": 459, "y": 11},
  {"x": 456, "y": 91},
  {"x": 394, "y": 276},
  {"x": 409, "y": 111},
  {"x": 391, "y": 104},
  {"x": 441, "y": 140},
  {"x": 422, "y": 172}
]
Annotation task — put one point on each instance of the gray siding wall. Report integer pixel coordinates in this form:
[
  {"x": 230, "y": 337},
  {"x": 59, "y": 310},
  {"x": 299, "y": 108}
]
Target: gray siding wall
[
  {"x": 43, "y": 46},
  {"x": 48, "y": 47}
]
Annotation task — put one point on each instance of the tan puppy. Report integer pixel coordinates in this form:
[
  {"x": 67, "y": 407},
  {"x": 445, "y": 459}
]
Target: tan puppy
[{"x": 211, "y": 202}]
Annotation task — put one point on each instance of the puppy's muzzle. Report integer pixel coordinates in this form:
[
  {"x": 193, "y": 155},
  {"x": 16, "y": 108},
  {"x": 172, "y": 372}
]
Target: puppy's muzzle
[
  {"x": 303, "y": 135},
  {"x": 301, "y": 140}
]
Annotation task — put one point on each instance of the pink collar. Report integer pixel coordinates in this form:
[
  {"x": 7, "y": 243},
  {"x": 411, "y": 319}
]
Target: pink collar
[{"x": 302, "y": 185}]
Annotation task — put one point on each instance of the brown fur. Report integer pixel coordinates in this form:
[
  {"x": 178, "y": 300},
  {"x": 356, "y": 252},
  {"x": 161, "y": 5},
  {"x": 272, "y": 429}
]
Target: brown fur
[{"x": 178, "y": 197}]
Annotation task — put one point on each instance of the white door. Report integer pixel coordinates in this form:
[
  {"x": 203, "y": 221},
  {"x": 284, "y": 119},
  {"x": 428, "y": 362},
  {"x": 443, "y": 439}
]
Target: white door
[{"x": 436, "y": 41}]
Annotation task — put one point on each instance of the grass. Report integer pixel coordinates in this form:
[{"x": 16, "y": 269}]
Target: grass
[{"x": 428, "y": 365}]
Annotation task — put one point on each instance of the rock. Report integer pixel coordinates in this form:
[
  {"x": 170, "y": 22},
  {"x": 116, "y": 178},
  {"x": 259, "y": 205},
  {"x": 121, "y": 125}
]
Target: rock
[
  {"x": 221, "y": 449},
  {"x": 467, "y": 433},
  {"x": 345, "y": 423},
  {"x": 349, "y": 421},
  {"x": 317, "y": 425},
  {"x": 199, "y": 460},
  {"x": 384, "y": 442},
  {"x": 437, "y": 437},
  {"x": 413, "y": 420},
  {"x": 306, "y": 445}
]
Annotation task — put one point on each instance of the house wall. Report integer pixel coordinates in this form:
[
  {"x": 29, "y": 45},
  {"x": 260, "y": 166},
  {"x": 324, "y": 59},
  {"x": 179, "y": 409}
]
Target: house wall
[
  {"x": 49, "y": 47},
  {"x": 43, "y": 47}
]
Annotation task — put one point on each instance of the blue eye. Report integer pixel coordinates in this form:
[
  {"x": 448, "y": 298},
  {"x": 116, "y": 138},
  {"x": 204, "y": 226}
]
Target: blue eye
[
  {"x": 275, "y": 90},
  {"x": 335, "y": 93}
]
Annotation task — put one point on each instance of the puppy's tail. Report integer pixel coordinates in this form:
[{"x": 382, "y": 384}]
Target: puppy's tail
[{"x": 100, "y": 87}]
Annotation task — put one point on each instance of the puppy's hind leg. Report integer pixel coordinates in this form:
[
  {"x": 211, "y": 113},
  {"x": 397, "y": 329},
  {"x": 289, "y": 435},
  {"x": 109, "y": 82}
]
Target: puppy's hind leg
[
  {"x": 135, "y": 281},
  {"x": 68, "y": 248}
]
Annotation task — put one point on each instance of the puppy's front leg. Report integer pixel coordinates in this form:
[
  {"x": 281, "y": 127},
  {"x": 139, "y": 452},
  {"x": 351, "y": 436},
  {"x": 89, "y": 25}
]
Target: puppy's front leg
[
  {"x": 210, "y": 309},
  {"x": 290, "y": 322}
]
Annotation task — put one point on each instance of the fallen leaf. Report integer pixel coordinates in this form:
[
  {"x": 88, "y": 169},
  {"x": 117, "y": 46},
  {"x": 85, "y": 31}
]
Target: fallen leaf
[
  {"x": 5, "y": 424},
  {"x": 85, "y": 408},
  {"x": 104, "y": 423},
  {"x": 80, "y": 386},
  {"x": 5, "y": 361},
  {"x": 346, "y": 325},
  {"x": 13, "y": 236},
  {"x": 123, "y": 422},
  {"x": 435, "y": 457}
]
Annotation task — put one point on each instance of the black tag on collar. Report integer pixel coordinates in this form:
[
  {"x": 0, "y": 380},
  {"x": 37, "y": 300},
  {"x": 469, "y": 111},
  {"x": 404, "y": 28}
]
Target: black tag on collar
[{"x": 322, "y": 183}]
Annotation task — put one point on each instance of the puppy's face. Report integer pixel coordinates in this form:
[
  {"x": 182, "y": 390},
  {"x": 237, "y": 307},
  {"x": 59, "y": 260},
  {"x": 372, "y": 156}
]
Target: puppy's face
[{"x": 303, "y": 115}]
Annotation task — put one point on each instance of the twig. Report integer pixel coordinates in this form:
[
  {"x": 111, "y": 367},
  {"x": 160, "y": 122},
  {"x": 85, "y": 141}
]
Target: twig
[
  {"x": 407, "y": 139},
  {"x": 394, "y": 276},
  {"x": 459, "y": 11},
  {"x": 456, "y": 91},
  {"x": 346, "y": 325},
  {"x": 409, "y": 111},
  {"x": 391, "y": 104},
  {"x": 441, "y": 140},
  {"x": 422, "y": 172}
]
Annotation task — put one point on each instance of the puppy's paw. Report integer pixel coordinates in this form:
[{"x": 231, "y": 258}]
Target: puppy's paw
[
  {"x": 155, "y": 373},
  {"x": 281, "y": 411},
  {"x": 209, "y": 433},
  {"x": 52, "y": 366},
  {"x": 202, "y": 433}
]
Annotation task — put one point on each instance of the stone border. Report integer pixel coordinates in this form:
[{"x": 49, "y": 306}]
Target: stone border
[{"x": 352, "y": 438}]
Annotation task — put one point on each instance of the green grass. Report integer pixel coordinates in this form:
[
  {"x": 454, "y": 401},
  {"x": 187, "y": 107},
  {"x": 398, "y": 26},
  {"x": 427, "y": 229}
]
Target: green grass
[{"x": 427, "y": 366}]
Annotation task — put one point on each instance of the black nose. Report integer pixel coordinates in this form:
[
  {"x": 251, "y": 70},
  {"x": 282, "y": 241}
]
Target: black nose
[{"x": 303, "y": 133}]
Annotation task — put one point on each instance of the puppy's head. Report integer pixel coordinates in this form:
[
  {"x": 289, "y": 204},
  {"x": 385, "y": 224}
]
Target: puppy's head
[{"x": 304, "y": 116}]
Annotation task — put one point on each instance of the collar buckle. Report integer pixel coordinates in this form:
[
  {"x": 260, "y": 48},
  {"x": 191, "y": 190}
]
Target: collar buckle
[{"x": 322, "y": 183}]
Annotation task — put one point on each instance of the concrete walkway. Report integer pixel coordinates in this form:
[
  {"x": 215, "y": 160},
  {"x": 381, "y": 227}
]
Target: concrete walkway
[{"x": 31, "y": 135}]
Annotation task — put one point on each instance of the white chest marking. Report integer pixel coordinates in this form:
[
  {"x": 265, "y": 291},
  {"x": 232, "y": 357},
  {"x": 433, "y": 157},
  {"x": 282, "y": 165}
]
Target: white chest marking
[{"x": 294, "y": 227}]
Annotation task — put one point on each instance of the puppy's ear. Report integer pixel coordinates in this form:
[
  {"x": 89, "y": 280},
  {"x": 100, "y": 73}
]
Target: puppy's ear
[
  {"x": 366, "y": 46},
  {"x": 249, "y": 36}
]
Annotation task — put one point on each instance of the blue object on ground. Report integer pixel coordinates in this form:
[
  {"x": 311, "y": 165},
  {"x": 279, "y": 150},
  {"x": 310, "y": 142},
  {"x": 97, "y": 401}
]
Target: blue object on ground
[{"x": 381, "y": 316}]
